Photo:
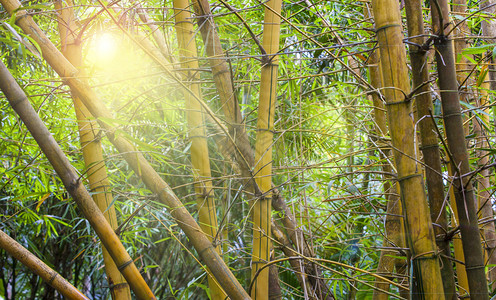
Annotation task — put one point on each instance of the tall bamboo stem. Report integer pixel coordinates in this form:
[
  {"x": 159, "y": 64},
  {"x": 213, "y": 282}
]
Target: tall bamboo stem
[
  {"x": 394, "y": 229},
  {"x": 133, "y": 157},
  {"x": 483, "y": 183},
  {"x": 430, "y": 146},
  {"x": 463, "y": 190},
  {"x": 91, "y": 147},
  {"x": 263, "y": 150},
  {"x": 195, "y": 116},
  {"x": 488, "y": 30},
  {"x": 419, "y": 231}
]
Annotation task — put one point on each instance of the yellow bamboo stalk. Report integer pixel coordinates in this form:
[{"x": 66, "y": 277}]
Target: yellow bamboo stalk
[
  {"x": 20, "y": 103},
  {"x": 419, "y": 231},
  {"x": 91, "y": 147},
  {"x": 241, "y": 152},
  {"x": 263, "y": 150},
  {"x": 393, "y": 225},
  {"x": 195, "y": 118},
  {"x": 461, "y": 274},
  {"x": 40, "y": 268},
  {"x": 133, "y": 157}
]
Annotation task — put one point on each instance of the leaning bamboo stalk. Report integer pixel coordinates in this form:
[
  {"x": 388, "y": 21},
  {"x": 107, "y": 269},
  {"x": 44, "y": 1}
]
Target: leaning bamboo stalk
[
  {"x": 261, "y": 215},
  {"x": 72, "y": 183},
  {"x": 419, "y": 231},
  {"x": 40, "y": 268},
  {"x": 133, "y": 157},
  {"x": 195, "y": 115},
  {"x": 463, "y": 189},
  {"x": 223, "y": 82},
  {"x": 156, "y": 33},
  {"x": 429, "y": 143},
  {"x": 91, "y": 147},
  {"x": 282, "y": 241}
]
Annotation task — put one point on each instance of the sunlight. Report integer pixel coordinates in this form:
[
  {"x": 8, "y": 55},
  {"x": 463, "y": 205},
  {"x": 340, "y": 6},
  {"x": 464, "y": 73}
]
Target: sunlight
[{"x": 104, "y": 47}]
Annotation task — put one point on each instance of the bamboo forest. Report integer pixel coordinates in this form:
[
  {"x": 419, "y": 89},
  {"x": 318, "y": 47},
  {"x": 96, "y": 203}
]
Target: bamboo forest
[{"x": 257, "y": 149}]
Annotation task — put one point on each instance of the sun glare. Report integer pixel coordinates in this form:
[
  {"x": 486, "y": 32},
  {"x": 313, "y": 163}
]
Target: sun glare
[{"x": 105, "y": 46}]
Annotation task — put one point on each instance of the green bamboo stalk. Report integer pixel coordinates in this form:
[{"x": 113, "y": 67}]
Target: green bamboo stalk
[
  {"x": 91, "y": 147},
  {"x": 134, "y": 158},
  {"x": 72, "y": 183},
  {"x": 419, "y": 231},
  {"x": 429, "y": 143},
  {"x": 195, "y": 117},
  {"x": 39, "y": 268},
  {"x": 263, "y": 151},
  {"x": 462, "y": 185}
]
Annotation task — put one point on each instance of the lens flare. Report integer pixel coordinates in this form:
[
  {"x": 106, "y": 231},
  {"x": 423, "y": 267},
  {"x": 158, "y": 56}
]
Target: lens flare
[{"x": 105, "y": 46}]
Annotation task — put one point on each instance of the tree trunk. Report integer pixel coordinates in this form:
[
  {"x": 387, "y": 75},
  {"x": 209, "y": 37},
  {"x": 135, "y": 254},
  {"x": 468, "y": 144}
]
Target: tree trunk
[
  {"x": 462, "y": 186},
  {"x": 419, "y": 231}
]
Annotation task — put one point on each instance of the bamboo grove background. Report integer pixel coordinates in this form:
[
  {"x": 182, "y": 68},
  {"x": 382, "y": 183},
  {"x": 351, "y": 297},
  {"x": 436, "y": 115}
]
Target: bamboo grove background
[{"x": 247, "y": 149}]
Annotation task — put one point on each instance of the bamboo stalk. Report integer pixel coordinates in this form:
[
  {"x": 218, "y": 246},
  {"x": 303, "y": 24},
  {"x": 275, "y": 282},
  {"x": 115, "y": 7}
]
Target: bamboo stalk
[
  {"x": 40, "y": 268},
  {"x": 223, "y": 82},
  {"x": 461, "y": 273},
  {"x": 263, "y": 151},
  {"x": 91, "y": 147},
  {"x": 483, "y": 183},
  {"x": 242, "y": 151},
  {"x": 195, "y": 117},
  {"x": 419, "y": 231},
  {"x": 156, "y": 33},
  {"x": 393, "y": 224},
  {"x": 488, "y": 29},
  {"x": 134, "y": 158},
  {"x": 463, "y": 189},
  {"x": 429, "y": 143},
  {"x": 459, "y": 6},
  {"x": 72, "y": 183}
]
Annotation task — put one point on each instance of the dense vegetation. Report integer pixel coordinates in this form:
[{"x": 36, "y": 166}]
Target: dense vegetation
[{"x": 334, "y": 171}]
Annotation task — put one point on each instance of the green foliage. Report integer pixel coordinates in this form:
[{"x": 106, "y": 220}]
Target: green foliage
[{"x": 327, "y": 161}]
